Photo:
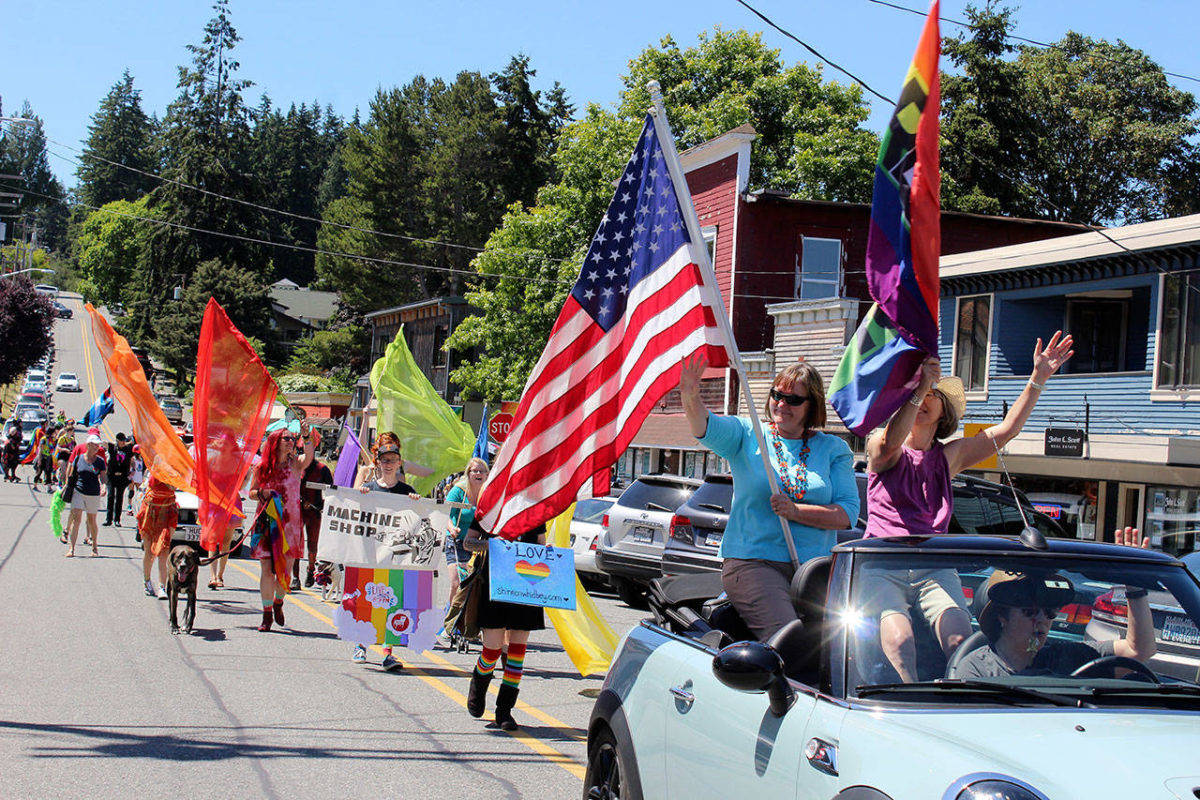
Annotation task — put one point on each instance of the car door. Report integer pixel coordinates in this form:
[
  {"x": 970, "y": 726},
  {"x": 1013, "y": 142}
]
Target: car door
[{"x": 721, "y": 742}]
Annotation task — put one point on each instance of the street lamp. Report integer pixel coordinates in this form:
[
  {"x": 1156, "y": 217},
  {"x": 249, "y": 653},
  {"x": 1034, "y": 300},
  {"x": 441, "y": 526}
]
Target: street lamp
[
  {"x": 19, "y": 120},
  {"x": 30, "y": 269}
]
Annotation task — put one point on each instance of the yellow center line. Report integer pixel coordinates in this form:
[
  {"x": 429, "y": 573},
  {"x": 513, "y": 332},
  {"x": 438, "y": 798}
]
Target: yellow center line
[
  {"x": 87, "y": 363},
  {"x": 536, "y": 745}
]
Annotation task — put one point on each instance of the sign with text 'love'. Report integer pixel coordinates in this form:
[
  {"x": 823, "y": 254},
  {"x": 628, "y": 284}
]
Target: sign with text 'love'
[{"x": 531, "y": 574}]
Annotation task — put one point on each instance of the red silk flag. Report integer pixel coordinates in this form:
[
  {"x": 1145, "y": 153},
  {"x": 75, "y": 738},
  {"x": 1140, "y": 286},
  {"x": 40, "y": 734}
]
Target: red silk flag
[
  {"x": 230, "y": 411},
  {"x": 161, "y": 448}
]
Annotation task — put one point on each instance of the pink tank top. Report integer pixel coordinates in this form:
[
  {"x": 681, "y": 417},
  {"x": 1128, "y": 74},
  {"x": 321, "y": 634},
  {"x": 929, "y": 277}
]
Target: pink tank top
[{"x": 913, "y": 498}]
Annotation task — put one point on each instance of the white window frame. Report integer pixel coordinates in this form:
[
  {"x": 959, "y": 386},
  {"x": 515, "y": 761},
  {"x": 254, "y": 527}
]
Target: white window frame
[
  {"x": 974, "y": 394},
  {"x": 1158, "y": 393},
  {"x": 801, "y": 280},
  {"x": 709, "y": 232}
]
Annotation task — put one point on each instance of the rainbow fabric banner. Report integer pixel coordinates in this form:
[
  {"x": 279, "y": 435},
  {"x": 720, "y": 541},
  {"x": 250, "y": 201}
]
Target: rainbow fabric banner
[
  {"x": 389, "y": 607},
  {"x": 880, "y": 367}
]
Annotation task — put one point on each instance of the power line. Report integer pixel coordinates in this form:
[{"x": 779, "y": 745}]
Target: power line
[
  {"x": 292, "y": 246},
  {"x": 261, "y": 207},
  {"x": 1016, "y": 38},
  {"x": 993, "y": 167}
]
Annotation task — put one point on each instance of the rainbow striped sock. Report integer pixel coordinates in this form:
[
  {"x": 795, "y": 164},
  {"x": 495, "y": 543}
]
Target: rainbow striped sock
[
  {"x": 514, "y": 664},
  {"x": 487, "y": 662}
]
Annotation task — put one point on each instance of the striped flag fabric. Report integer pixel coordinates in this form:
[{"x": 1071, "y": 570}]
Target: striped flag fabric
[
  {"x": 347, "y": 463},
  {"x": 101, "y": 408},
  {"x": 881, "y": 365},
  {"x": 481, "y": 440},
  {"x": 638, "y": 307},
  {"x": 388, "y": 607}
]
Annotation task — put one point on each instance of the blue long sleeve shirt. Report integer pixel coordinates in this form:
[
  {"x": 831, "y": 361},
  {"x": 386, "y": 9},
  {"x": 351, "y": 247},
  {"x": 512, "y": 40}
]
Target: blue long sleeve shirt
[{"x": 753, "y": 530}]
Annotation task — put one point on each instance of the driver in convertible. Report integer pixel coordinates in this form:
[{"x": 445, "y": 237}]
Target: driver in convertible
[{"x": 1018, "y": 611}]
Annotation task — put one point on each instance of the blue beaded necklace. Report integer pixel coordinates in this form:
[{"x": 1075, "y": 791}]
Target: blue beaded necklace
[{"x": 792, "y": 475}]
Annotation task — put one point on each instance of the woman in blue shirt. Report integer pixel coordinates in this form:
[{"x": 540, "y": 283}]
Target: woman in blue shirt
[{"x": 818, "y": 493}]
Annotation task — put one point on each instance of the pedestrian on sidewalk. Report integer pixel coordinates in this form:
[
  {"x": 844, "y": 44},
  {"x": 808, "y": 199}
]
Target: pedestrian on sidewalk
[
  {"x": 120, "y": 462},
  {"x": 465, "y": 490},
  {"x": 156, "y": 522},
  {"x": 276, "y": 540},
  {"x": 312, "y": 503},
  {"x": 12, "y": 453},
  {"x": 389, "y": 468},
  {"x": 86, "y": 474},
  {"x": 505, "y": 629}
]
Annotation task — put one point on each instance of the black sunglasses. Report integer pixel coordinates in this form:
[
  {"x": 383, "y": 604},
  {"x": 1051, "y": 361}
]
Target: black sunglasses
[
  {"x": 790, "y": 399},
  {"x": 1031, "y": 613}
]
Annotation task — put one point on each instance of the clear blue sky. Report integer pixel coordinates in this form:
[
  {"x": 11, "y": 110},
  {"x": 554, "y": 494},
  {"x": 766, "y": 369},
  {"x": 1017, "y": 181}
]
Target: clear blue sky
[{"x": 64, "y": 56}]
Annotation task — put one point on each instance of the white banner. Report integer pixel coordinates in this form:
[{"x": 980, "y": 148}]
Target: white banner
[{"x": 382, "y": 530}]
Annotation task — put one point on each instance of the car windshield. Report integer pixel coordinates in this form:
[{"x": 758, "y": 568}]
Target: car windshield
[
  {"x": 647, "y": 495},
  {"x": 1104, "y": 627},
  {"x": 592, "y": 510}
]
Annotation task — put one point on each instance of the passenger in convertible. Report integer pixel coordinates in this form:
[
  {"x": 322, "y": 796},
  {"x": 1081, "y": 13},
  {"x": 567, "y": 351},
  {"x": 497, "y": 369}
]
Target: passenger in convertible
[
  {"x": 908, "y": 494},
  {"x": 1018, "y": 610},
  {"x": 819, "y": 494}
]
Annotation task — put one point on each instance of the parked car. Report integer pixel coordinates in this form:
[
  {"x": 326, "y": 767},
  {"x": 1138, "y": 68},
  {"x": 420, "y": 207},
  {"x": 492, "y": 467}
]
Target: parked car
[
  {"x": 30, "y": 422},
  {"x": 27, "y": 407},
  {"x": 1176, "y": 636},
  {"x": 980, "y": 506},
  {"x": 67, "y": 382},
  {"x": 1192, "y": 562},
  {"x": 587, "y": 525},
  {"x": 47, "y": 289},
  {"x": 635, "y": 531},
  {"x": 173, "y": 410},
  {"x": 33, "y": 398},
  {"x": 62, "y": 311},
  {"x": 691, "y": 709},
  {"x": 36, "y": 375}
]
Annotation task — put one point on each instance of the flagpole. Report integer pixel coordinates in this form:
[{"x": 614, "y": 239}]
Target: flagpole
[{"x": 700, "y": 253}]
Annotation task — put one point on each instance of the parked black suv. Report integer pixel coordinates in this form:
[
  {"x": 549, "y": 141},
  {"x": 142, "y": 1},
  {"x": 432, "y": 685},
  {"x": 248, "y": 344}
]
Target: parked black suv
[{"x": 980, "y": 506}]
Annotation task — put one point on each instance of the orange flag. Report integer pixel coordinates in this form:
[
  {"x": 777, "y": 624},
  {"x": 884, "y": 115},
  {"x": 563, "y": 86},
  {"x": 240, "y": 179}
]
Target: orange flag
[
  {"x": 162, "y": 449},
  {"x": 230, "y": 412}
]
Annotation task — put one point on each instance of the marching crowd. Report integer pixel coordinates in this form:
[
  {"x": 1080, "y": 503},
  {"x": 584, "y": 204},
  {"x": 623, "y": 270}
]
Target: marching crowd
[{"x": 911, "y": 463}]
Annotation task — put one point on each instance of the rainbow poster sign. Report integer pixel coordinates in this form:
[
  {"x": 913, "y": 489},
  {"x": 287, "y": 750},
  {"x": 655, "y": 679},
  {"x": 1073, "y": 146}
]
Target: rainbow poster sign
[
  {"x": 531, "y": 574},
  {"x": 389, "y": 607}
]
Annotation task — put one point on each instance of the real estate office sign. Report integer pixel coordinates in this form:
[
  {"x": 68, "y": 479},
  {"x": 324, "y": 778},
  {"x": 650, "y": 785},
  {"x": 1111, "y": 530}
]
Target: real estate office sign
[{"x": 1065, "y": 442}]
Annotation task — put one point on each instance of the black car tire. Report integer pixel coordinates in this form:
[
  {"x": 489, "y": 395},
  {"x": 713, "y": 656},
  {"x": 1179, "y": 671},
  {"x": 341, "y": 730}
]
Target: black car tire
[
  {"x": 630, "y": 593},
  {"x": 606, "y": 768}
]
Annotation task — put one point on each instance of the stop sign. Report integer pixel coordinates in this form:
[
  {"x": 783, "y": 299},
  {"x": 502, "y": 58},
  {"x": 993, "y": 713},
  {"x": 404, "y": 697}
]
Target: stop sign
[{"x": 499, "y": 426}]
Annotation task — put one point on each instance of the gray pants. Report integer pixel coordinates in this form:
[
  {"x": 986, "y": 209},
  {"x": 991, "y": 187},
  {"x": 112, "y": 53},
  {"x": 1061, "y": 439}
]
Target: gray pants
[{"x": 761, "y": 593}]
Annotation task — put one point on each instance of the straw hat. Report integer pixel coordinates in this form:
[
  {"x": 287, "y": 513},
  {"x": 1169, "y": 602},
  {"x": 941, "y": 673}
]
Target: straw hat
[{"x": 952, "y": 389}]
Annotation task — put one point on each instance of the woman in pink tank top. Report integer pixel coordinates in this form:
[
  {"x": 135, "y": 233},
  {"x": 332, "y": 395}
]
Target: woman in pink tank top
[{"x": 908, "y": 494}]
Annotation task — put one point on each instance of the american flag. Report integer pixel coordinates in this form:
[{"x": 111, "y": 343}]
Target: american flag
[{"x": 637, "y": 309}]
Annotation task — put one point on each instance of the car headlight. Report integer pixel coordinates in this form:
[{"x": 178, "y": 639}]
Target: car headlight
[{"x": 989, "y": 786}]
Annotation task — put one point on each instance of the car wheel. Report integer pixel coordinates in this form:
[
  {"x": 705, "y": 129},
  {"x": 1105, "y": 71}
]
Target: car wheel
[
  {"x": 604, "y": 779},
  {"x": 630, "y": 593}
]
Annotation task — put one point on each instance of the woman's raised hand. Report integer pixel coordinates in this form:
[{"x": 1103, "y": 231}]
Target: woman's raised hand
[
  {"x": 1047, "y": 361},
  {"x": 931, "y": 372},
  {"x": 690, "y": 372},
  {"x": 1131, "y": 537}
]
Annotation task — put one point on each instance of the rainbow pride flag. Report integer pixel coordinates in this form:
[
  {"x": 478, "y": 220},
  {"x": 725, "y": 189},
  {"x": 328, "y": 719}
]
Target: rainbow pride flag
[
  {"x": 388, "y": 607},
  {"x": 881, "y": 365}
]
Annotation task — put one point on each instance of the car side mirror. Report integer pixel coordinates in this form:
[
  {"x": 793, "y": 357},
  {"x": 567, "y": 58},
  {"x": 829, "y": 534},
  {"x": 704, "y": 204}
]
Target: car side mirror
[{"x": 755, "y": 667}]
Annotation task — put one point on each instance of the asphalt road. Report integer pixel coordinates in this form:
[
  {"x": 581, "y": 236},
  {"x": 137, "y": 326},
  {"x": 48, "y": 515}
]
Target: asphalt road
[{"x": 98, "y": 699}]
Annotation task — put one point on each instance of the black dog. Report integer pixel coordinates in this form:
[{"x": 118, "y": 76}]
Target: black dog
[
  {"x": 183, "y": 568},
  {"x": 183, "y": 565}
]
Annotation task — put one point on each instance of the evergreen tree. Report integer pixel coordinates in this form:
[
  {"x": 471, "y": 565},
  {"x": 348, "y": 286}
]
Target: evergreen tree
[
  {"x": 204, "y": 142},
  {"x": 42, "y": 209},
  {"x": 120, "y": 133}
]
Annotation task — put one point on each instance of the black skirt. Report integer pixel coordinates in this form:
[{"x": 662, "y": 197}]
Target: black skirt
[{"x": 511, "y": 616}]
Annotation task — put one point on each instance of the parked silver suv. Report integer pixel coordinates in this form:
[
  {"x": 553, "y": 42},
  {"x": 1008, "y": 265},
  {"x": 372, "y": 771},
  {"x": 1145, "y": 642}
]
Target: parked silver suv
[{"x": 636, "y": 529}]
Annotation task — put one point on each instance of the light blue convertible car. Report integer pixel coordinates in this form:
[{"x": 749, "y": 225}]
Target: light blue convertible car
[{"x": 692, "y": 709}]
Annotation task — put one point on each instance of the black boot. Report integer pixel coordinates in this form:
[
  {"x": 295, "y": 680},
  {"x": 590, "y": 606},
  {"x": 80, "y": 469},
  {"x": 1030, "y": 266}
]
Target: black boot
[
  {"x": 477, "y": 694},
  {"x": 506, "y": 698}
]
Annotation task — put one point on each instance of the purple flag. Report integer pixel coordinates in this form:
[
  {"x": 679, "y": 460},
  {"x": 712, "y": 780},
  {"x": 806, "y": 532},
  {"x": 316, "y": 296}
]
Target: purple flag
[{"x": 347, "y": 463}]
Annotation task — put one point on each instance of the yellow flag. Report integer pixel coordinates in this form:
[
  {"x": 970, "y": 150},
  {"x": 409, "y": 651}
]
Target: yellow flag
[
  {"x": 431, "y": 434},
  {"x": 589, "y": 641}
]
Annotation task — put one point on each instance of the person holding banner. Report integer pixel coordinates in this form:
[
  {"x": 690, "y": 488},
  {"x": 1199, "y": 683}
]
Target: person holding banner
[
  {"x": 815, "y": 471},
  {"x": 389, "y": 467},
  {"x": 278, "y": 526},
  {"x": 909, "y": 469},
  {"x": 503, "y": 627}
]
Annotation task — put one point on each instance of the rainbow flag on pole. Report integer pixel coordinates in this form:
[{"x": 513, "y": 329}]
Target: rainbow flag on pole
[
  {"x": 880, "y": 367},
  {"x": 389, "y": 607}
]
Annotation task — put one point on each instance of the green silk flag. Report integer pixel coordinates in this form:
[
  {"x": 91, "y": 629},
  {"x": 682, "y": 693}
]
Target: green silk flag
[{"x": 431, "y": 434}]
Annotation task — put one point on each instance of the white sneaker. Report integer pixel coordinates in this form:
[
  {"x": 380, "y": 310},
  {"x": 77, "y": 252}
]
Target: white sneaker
[
  {"x": 162, "y": 592},
  {"x": 150, "y": 591}
]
